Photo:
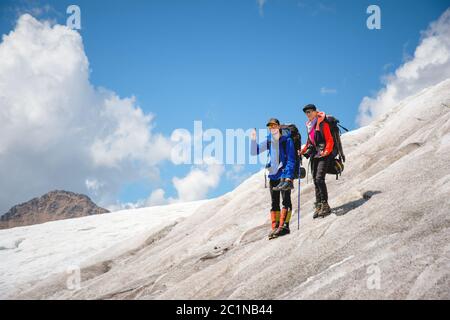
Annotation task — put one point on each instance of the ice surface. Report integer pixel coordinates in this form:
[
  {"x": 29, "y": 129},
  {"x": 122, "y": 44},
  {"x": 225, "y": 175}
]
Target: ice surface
[{"x": 33, "y": 253}]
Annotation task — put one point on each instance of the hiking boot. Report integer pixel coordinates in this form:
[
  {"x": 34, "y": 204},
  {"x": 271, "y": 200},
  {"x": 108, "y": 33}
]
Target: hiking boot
[
  {"x": 288, "y": 185},
  {"x": 283, "y": 228},
  {"x": 281, "y": 231},
  {"x": 325, "y": 209},
  {"x": 284, "y": 185},
  {"x": 275, "y": 218},
  {"x": 278, "y": 187},
  {"x": 272, "y": 233},
  {"x": 317, "y": 208}
]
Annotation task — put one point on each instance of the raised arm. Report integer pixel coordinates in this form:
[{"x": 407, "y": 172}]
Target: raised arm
[{"x": 258, "y": 148}]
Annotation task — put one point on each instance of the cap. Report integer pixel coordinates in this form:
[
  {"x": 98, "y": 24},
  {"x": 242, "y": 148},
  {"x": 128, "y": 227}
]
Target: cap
[
  {"x": 309, "y": 107},
  {"x": 273, "y": 121}
]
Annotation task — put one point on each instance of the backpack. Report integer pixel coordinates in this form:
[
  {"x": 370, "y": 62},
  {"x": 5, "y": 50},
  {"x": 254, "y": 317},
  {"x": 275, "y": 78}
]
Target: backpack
[
  {"x": 338, "y": 165},
  {"x": 336, "y": 168},
  {"x": 291, "y": 130}
]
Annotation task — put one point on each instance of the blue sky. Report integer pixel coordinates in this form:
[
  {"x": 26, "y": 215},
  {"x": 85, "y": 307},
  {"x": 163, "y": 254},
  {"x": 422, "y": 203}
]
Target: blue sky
[{"x": 232, "y": 66}]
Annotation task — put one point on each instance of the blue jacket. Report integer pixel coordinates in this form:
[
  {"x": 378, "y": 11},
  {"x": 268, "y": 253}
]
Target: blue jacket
[{"x": 287, "y": 156}]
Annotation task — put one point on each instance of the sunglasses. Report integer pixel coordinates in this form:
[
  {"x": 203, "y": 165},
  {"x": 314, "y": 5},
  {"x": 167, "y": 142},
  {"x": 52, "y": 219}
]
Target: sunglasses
[
  {"x": 309, "y": 111},
  {"x": 272, "y": 126}
]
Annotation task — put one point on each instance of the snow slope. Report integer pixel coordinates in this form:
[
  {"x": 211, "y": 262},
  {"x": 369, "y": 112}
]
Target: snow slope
[
  {"x": 33, "y": 253},
  {"x": 390, "y": 223}
]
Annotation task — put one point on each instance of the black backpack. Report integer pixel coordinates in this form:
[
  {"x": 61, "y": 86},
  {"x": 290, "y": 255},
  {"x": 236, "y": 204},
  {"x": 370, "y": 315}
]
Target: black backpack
[
  {"x": 291, "y": 130},
  {"x": 338, "y": 165}
]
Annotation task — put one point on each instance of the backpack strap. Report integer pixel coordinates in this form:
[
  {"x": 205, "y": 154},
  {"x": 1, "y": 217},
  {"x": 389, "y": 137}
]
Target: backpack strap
[
  {"x": 343, "y": 127},
  {"x": 284, "y": 144}
]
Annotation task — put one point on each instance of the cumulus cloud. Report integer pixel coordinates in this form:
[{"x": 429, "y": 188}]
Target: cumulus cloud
[
  {"x": 58, "y": 131},
  {"x": 197, "y": 183},
  {"x": 128, "y": 135},
  {"x": 157, "y": 197},
  {"x": 429, "y": 66},
  {"x": 194, "y": 186}
]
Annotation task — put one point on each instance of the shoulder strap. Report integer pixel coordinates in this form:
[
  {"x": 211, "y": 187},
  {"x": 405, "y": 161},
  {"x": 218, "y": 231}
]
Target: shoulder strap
[
  {"x": 286, "y": 140},
  {"x": 346, "y": 130}
]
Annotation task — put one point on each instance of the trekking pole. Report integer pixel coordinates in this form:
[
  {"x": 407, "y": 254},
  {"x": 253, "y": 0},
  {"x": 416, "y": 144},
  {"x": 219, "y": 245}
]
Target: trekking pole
[{"x": 298, "y": 210}]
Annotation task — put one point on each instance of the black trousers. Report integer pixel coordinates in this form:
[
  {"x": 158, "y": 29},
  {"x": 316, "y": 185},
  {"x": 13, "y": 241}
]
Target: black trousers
[
  {"x": 319, "y": 167},
  {"x": 275, "y": 196}
]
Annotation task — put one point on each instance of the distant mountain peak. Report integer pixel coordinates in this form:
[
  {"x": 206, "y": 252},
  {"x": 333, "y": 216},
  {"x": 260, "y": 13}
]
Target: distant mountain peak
[{"x": 54, "y": 205}]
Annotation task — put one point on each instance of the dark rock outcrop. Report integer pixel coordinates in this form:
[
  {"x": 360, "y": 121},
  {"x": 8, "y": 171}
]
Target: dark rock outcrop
[{"x": 55, "y": 205}]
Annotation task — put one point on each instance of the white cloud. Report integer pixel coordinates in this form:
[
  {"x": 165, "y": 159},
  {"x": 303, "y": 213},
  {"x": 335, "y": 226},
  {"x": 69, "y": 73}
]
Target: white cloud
[
  {"x": 194, "y": 186},
  {"x": 117, "y": 206},
  {"x": 199, "y": 181},
  {"x": 93, "y": 185},
  {"x": 429, "y": 66},
  {"x": 237, "y": 175},
  {"x": 58, "y": 131},
  {"x": 261, "y": 4},
  {"x": 128, "y": 135},
  {"x": 235, "y": 170},
  {"x": 157, "y": 197},
  {"x": 325, "y": 90}
]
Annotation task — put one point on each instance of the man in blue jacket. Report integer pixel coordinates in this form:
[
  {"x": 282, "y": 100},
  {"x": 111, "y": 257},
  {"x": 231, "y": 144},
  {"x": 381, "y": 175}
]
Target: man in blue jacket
[{"x": 281, "y": 174}]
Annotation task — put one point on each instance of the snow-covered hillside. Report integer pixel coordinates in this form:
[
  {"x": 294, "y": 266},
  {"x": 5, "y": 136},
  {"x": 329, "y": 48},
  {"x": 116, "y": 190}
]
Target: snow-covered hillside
[
  {"x": 391, "y": 220},
  {"x": 33, "y": 253}
]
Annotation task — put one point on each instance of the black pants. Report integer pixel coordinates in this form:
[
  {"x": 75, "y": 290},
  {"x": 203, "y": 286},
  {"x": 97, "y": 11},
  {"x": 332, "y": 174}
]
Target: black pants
[
  {"x": 275, "y": 196},
  {"x": 319, "y": 167}
]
